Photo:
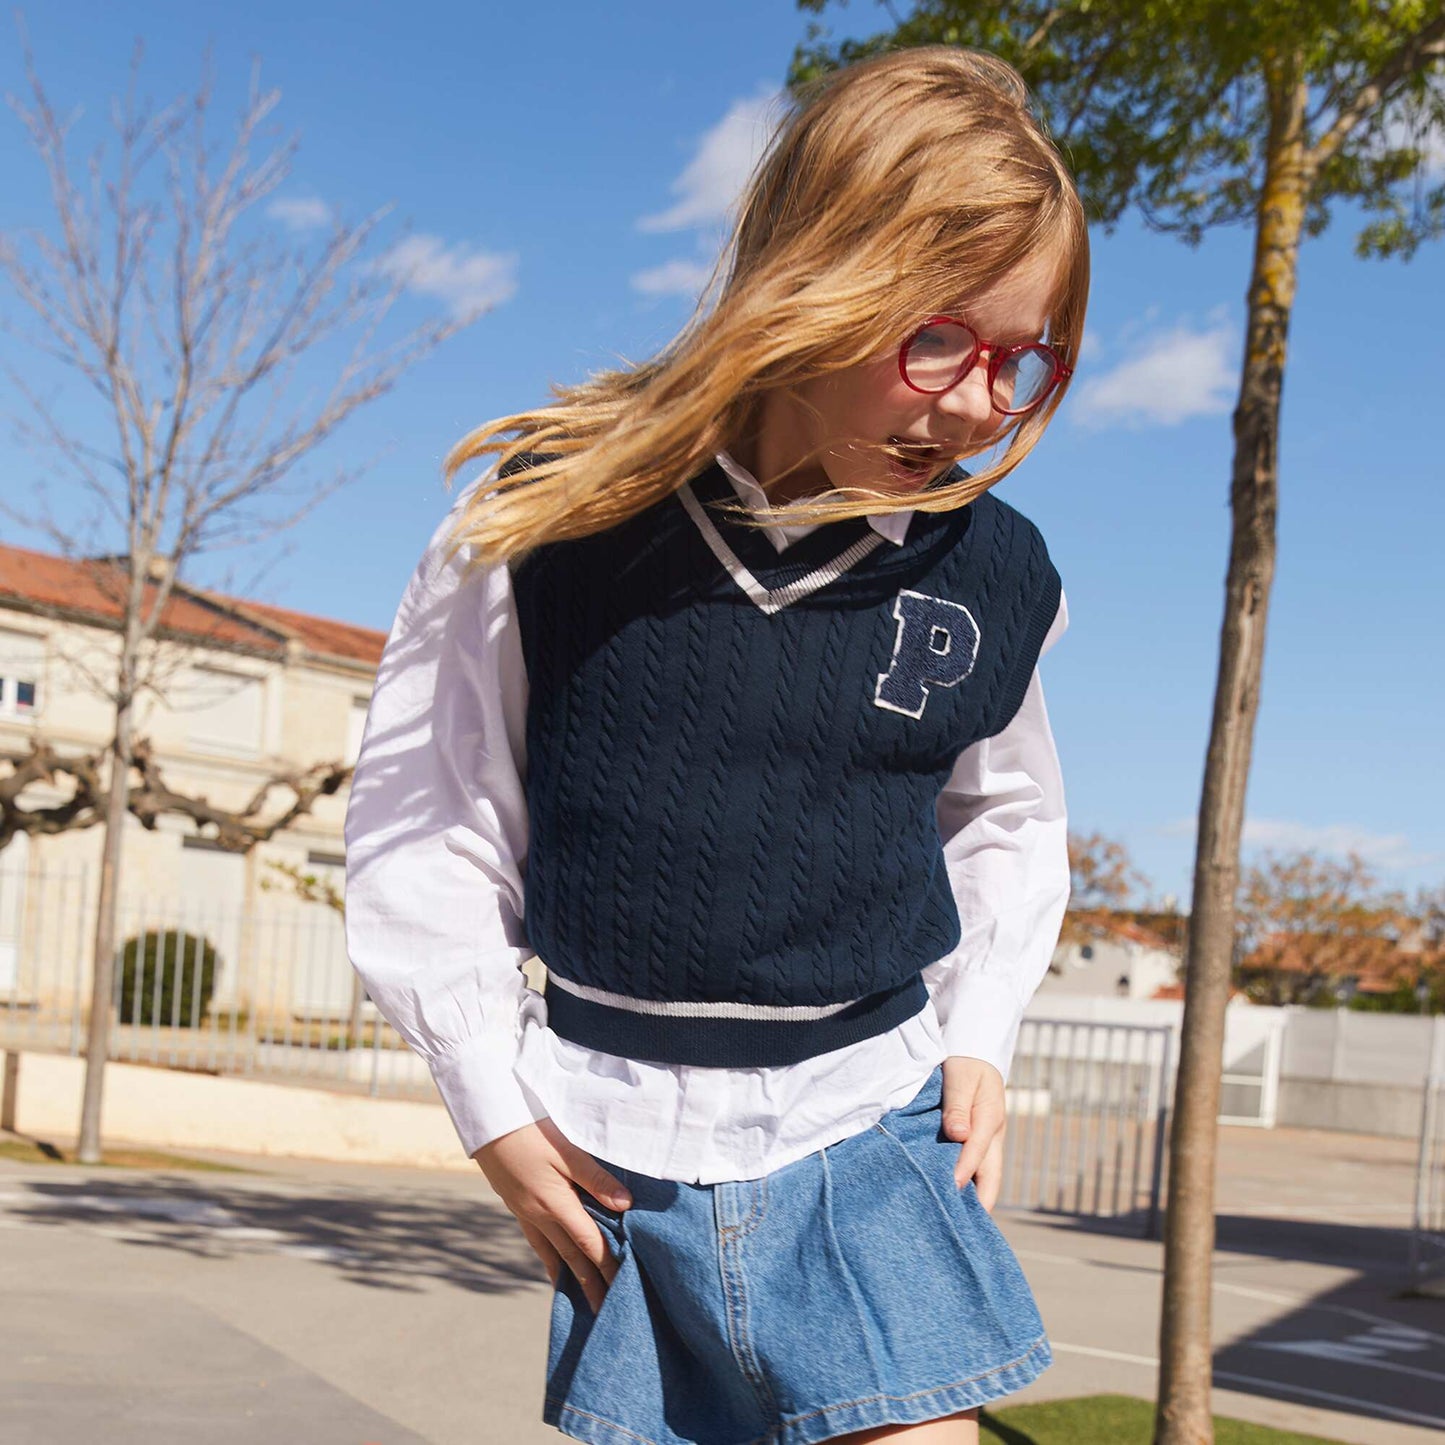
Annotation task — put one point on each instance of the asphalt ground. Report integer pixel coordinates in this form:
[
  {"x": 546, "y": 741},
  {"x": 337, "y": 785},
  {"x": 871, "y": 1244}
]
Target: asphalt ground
[{"x": 350, "y": 1305}]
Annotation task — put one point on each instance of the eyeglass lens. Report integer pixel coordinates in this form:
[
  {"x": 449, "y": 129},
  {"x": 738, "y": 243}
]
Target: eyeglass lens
[{"x": 939, "y": 356}]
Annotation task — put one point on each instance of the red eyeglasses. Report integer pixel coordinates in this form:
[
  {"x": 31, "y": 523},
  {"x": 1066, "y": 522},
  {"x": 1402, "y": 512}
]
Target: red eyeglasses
[{"x": 944, "y": 350}]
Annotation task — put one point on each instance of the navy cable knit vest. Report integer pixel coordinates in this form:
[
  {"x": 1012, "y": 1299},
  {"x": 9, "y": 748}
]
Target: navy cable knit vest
[{"x": 734, "y": 757}]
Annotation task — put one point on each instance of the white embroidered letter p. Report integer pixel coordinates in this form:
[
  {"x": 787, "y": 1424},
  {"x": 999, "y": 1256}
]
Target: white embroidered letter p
[{"x": 936, "y": 646}]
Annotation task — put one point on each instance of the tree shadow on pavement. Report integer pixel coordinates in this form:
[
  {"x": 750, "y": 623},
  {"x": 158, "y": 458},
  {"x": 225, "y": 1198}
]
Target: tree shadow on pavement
[
  {"x": 1363, "y": 1346},
  {"x": 1379, "y": 1251},
  {"x": 386, "y": 1240}
]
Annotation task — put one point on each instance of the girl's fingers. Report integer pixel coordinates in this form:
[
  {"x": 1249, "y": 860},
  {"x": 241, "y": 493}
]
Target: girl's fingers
[
  {"x": 958, "y": 1121},
  {"x": 987, "y": 1122},
  {"x": 584, "y": 1252},
  {"x": 574, "y": 1259},
  {"x": 583, "y": 1169},
  {"x": 600, "y": 1184},
  {"x": 989, "y": 1179},
  {"x": 543, "y": 1249}
]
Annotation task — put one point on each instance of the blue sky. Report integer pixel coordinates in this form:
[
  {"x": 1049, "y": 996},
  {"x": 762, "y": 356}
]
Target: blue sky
[{"x": 571, "y": 165}]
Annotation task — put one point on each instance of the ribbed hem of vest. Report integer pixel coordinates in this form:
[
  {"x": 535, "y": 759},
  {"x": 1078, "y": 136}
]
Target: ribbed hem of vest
[{"x": 728, "y": 1043}]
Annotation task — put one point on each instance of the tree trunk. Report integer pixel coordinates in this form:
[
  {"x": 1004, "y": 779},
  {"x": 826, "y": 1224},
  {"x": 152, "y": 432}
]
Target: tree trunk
[
  {"x": 97, "y": 1044},
  {"x": 354, "y": 1020},
  {"x": 1186, "y": 1354}
]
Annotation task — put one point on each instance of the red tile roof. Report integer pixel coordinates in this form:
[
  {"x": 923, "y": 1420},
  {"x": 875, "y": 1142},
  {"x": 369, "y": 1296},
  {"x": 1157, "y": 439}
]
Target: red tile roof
[
  {"x": 1174, "y": 993},
  {"x": 320, "y": 635},
  {"x": 92, "y": 590}
]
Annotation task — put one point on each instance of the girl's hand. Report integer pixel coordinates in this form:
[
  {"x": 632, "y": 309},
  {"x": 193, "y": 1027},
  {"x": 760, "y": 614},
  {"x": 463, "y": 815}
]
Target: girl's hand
[
  {"x": 533, "y": 1170},
  {"x": 973, "y": 1114}
]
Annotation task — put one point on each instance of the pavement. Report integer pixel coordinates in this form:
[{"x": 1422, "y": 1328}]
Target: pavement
[{"x": 350, "y": 1305}]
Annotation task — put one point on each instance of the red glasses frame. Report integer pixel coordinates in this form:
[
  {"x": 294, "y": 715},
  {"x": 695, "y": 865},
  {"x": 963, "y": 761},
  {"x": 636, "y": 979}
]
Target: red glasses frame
[{"x": 998, "y": 354}]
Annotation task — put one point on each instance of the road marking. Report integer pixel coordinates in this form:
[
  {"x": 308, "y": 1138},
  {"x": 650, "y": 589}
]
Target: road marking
[
  {"x": 1266, "y": 1386},
  {"x": 1294, "y": 1210},
  {"x": 1338, "y": 1352},
  {"x": 1268, "y": 1296},
  {"x": 1094, "y": 1353},
  {"x": 1366, "y": 1407},
  {"x": 184, "y": 1210},
  {"x": 1048, "y": 1258}
]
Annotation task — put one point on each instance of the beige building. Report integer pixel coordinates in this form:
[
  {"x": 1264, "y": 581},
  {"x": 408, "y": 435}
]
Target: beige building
[
  {"x": 243, "y": 692},
  {"x": 1122, "y": 960}
]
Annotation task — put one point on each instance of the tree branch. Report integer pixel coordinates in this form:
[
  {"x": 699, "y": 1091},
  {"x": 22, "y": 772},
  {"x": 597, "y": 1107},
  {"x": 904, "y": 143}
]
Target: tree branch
[
  {"x": 151, "y": 797},
  {"x": 1423, "y": 49}
]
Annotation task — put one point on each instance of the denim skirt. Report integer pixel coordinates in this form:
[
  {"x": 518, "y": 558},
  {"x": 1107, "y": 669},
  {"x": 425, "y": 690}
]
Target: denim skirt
[{"x": 856, "y": 1287}]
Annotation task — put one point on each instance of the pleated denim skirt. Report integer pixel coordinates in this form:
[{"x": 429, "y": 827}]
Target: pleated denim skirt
[{"x": 856, "y": 1287}]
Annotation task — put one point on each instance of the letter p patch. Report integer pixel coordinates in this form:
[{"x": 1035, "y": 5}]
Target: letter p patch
[{"x": 936, "y": 646}]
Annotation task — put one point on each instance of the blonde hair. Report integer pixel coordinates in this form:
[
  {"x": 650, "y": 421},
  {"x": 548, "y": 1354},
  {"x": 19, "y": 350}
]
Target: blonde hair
[{"x": 895, "y": 184}]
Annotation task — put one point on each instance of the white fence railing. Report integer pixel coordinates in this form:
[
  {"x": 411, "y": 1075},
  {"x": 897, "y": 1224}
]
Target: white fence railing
[
  {"x": 267, "y": 992},
  {"x": 260, "y": 991},
  {"x": 1088, "y": 1111}
]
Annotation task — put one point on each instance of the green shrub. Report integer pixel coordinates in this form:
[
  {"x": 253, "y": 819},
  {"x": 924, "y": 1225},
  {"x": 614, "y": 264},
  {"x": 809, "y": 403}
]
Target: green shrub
[{"x": 186, "y": 964}]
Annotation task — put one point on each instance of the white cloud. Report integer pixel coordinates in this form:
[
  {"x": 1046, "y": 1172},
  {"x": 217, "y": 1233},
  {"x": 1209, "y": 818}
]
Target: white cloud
[
  {"x": 467, "y": 280},
  {"x": 1170, "y": 377},
  {"x": 299, "y": 213},
  {"x": 673, "y": 278},
  {"x": 713, "y": 179},
  {"x": 1384, "y": 851}
]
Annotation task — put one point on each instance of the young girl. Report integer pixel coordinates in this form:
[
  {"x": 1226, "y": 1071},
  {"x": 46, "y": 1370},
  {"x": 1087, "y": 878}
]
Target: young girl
[{"x": 717, "y": 696}]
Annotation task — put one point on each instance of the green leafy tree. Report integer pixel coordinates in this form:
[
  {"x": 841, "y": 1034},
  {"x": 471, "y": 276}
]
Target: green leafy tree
[{"x": 1197, "y": 114}]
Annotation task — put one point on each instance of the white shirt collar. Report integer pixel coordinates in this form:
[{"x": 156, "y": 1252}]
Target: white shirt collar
[{"x": 891, "y": 525}]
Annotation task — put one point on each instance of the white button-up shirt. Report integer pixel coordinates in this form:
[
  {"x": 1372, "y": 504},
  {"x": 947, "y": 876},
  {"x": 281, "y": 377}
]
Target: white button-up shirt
[{"x": 436, "y": 841}]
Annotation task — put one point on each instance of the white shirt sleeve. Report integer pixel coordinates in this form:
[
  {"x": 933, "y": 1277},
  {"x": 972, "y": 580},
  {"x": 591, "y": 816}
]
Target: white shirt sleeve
[
  {"x": 1005, "y": 842},
  {"x": 436, "y": 838}
]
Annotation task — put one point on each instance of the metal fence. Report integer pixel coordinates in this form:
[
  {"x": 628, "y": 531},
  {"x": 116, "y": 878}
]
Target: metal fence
[
  {"x": 1427, "y": 1238},
  {"x": 1088, "y": 1110},
  {"x": 1088, "y": 1100},
  {"x": 265, "y": 991}
]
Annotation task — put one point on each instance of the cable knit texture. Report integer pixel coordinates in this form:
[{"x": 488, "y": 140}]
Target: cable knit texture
[{"x": 736, "y": 806}]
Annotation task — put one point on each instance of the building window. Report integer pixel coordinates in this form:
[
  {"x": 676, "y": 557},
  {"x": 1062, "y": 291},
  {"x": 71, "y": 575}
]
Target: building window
[
  {"x": 223, "y": 711},
  {"x": 22, "y": 656}
]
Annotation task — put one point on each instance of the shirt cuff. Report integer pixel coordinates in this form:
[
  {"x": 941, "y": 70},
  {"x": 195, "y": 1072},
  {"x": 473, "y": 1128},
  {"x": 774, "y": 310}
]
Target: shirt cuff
[
  {"x": 983, "y": 1021},
  {"x": 481, "y": 1091}
]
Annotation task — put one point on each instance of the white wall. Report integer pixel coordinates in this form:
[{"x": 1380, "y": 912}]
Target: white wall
[{"x": 1337, "y": 1069}]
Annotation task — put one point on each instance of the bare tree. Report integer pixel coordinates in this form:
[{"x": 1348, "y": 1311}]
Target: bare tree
[
  {"x": 186, "y": 316},
  {"x": 149, "y": 797}
]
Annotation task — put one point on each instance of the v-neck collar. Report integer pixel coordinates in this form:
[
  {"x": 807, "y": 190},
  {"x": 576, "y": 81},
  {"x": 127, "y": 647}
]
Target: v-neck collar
[
  {"x": 783, "y": 533},
  {"x": 773, "y": 580}
]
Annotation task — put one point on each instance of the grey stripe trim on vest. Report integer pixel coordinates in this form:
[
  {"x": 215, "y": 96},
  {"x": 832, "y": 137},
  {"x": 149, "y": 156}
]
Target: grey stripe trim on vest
[
  {"x": 761, "y": 1013},
  {"x": 775, "y": 599}
]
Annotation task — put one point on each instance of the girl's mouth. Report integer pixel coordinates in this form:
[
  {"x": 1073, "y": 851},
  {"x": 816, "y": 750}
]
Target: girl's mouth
[{"x": 914, "y": 462}]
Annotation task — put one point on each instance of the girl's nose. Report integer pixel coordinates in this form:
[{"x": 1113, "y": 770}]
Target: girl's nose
[{"x": 970, "y": 402}]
